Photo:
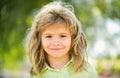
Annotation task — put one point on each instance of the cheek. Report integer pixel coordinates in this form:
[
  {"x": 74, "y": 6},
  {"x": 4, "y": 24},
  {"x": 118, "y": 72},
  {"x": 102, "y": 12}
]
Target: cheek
[
  {"x": 67, "y": 42},
  {"x": 44, "y": 42}
]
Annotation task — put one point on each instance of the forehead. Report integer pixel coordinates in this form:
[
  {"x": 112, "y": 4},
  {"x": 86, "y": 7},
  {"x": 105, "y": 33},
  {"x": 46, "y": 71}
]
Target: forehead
[{"x": 56, "y": 26}]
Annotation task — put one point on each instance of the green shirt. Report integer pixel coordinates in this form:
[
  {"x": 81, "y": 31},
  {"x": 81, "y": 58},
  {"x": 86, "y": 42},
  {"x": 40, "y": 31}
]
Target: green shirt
[{"x": 88, "y": 72}]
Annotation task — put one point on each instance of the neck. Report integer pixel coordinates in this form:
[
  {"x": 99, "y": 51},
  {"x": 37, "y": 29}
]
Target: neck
[{"x": 58, "y": 62}]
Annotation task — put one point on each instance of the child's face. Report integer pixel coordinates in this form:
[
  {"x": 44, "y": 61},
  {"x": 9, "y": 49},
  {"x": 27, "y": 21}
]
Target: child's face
[{"x": 56, "y": 40}]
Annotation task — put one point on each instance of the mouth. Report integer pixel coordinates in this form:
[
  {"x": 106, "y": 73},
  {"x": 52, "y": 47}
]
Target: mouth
[{"x": 56, "y": 48}]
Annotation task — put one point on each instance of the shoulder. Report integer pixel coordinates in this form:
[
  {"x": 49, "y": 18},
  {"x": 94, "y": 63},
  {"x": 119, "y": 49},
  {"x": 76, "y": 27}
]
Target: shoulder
[
  {"x": 91, "y": 71},
  {"x": 89, "y": 67}
]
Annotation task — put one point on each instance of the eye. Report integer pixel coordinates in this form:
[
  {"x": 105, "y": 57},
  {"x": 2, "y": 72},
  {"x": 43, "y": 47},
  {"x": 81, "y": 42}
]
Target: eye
[
  {"x": 48, "y": 36},
  {"x": 63, "y": 36}
]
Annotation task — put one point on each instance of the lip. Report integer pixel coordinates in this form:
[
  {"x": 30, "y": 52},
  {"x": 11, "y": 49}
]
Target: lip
[{"x": 56, "y": 48}]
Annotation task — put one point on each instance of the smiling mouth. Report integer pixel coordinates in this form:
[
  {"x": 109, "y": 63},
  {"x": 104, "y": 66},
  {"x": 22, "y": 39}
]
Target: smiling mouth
[{"x": 56, "y": 48}]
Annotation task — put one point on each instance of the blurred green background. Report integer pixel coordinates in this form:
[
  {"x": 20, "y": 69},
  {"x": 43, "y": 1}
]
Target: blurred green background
[{"x": 100, "y": 21}]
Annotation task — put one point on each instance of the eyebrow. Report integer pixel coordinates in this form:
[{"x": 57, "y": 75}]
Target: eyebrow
[{"x": 50, "y": 33}]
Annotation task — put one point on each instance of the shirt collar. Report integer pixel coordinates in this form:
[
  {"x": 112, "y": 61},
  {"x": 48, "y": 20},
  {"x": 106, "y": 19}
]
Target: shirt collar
[{"x": 47, "y": 67}]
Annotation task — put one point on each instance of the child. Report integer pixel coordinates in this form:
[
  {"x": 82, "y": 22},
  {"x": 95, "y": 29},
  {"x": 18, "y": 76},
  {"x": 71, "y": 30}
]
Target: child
[{"x": 56, "y": 44}]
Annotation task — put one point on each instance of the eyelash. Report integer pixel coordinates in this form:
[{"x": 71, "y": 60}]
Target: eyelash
[
  {"x": 60, "y": 36},
  {"x": 48, "y": 36},
  {"x": 63, "y": 36}
]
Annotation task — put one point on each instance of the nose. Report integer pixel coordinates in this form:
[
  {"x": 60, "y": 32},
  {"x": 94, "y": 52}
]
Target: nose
[{"x": 56, "y": 41}]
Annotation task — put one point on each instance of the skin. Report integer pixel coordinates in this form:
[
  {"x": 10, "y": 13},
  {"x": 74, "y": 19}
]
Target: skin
[{"x": 56, "y": 41}]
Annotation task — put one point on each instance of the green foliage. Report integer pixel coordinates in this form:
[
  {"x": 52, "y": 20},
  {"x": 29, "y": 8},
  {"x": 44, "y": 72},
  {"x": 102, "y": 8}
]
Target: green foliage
[
  {"x": 99, "y": 68},
  {"x": 116, "y": 66},
  {"x": 15, "y": 18},
  {"x": 111, "y": 65},
  {"x": 118, "y": 57}
]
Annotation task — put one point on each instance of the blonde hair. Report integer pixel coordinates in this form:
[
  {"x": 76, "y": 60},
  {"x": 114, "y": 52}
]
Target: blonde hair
[{"x": 50, "y": 14}]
